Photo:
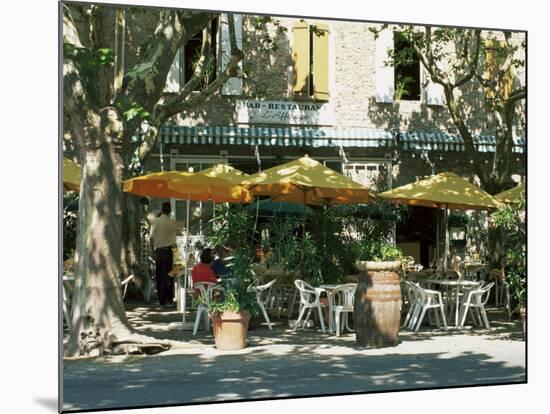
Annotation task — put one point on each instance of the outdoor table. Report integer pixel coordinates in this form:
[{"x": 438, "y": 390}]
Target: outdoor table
[
  {"x": 474, "y": 267},
  {"x": 329, "y": 289},
  {"x": 181, "y": 280},
  {"x": 456, "y": 284}
]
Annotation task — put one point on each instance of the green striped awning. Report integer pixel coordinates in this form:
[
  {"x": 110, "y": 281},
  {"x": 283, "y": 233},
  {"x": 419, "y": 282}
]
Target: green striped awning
[
  {"x": 276, "y": 136},
  {"x": 450, "y": 142}
]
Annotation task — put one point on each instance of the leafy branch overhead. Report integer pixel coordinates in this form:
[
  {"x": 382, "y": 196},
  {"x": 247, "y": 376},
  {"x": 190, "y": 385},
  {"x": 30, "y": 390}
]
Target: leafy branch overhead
[{"x": 461, "y": 60}]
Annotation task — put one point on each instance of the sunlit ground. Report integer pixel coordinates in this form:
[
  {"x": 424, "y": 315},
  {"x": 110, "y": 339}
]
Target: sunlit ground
[{"x": 283, "y": 363}]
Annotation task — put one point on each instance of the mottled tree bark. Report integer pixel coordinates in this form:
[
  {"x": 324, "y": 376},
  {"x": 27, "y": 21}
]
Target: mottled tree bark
[{"x": 107, "y": 244}]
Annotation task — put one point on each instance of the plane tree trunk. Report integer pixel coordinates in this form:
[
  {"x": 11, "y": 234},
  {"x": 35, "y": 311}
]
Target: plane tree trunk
[{"x": 103, "y": 121}]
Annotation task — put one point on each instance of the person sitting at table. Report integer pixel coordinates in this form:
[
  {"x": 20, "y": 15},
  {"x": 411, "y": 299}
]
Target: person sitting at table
[
  {"x": 202, "y": 272},
  {"x": 219, "y": 264}
]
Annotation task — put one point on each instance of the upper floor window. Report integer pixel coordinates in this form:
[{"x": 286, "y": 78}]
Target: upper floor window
[
  {"x": 187, "y": 58},
  {"x": 192, "y": 54},
  {"x": 406, "y": 70},
  {"x": 311, "y": 61},
  {"x": 402, "y": 78},
  {"x": 495, "y": 58}
]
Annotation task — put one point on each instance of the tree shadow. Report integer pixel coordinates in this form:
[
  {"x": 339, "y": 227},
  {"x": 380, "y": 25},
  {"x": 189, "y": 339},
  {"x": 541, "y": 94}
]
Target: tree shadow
[{"x": 275, "y": 373}]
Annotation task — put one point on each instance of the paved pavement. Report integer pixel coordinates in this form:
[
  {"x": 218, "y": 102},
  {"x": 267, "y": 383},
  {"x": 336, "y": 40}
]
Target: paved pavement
[{"x": 282, "y": 363}]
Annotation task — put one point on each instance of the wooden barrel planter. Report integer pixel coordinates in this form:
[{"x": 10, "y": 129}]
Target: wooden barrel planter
[
  {"x": 230, "y": 329},
  {"x": 377, "y": 311}
]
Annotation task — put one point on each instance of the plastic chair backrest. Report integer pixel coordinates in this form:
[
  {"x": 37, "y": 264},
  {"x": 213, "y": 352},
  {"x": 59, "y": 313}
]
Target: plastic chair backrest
[
  {"x": 421, "y": 295},
  {"x": 411, "y": 291},
  {"x": 206, "y": 290},
  {"x": 344, "y": 295},
  {"x": 484, "y": 293},
  {"x": 306, "y": 291}
]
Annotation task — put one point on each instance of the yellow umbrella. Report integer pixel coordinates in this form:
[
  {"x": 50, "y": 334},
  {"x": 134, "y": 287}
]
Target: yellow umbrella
[
  {"x": 71, "y": 175},
  {"x": 512, "y": 195},
  {"x": 307, "y": 180},
  {"x": 444, "y": 190},
  {"x": 187, "y": 186},
  {"x": 226, "y": 172}
]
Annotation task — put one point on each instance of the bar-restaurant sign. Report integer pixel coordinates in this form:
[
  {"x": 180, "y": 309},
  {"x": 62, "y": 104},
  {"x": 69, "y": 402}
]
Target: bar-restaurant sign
[{"x": 284, "y": 112}]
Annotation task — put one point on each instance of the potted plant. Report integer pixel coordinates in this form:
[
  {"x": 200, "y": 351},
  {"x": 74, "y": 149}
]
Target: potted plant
[
  {"x": 378, "y": 300},
  {"x": 234, "y": 228},
  {"x": 231, "y": 310}
]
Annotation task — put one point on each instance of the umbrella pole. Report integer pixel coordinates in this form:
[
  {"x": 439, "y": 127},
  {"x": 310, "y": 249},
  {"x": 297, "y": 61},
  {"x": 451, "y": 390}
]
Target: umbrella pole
[
  {"x": 446, "y": 253},
  {"x": 303, "y": 229},
  {"x": 436, "y": 237},
  {"x": 187, "y": 256}
]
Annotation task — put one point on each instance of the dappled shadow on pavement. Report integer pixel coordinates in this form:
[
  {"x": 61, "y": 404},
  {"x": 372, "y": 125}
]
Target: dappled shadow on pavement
[{"x": 282, "y": 363}]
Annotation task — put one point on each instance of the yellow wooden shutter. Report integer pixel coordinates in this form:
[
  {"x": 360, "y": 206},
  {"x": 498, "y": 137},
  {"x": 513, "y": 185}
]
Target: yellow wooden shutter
[
  {"x": 320, "y": 62},
  {"x": 493, "y": 65},
  {"x": 300, "y": 58}
]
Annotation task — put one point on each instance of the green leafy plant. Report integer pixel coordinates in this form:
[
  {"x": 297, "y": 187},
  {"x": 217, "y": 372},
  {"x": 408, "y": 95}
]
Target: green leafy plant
[
  {"x": 292, "y": 248},
  {"x": 234, "y": 228},
  {"x": 458, "y": 220},
  {"x": 510, "y": 220},
  {"x": 378, "y": 251}
]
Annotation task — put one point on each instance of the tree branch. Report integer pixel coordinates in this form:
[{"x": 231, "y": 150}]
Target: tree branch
[
  {"x": 185, "y": 99},
  {"x": 473, "y": 64}
]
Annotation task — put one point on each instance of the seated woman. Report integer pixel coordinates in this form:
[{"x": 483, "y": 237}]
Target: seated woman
[
  {"x": 218, "y": 265},
  {"x": 202, "y": 272}
]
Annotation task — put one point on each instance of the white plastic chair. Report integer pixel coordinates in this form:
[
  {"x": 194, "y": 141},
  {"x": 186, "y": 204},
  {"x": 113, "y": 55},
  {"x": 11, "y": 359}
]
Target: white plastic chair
[
  {"x": 206, "y": 292},
  {"x": 263, "y": 297},
  {"x": 149, "y": 275},
  {"x": 341, "y": 301},
  {"x": 427, "y": 299},
  {"x": 124, "y": 284},
  {"x": 414, "y": 303},
  {"x": 476, "y": 299},
  {"x": 309, "y": 299}
]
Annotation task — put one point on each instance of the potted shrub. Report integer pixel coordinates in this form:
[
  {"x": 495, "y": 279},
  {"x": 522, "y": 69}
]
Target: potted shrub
[
  {"x": 378, "y": 300},
  {"x": 234, "y": 228},
  {"x": 231, "y": 311}
]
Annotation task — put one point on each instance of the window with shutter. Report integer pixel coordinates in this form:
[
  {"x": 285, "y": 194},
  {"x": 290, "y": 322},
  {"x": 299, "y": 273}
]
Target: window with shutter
[
  {"x": 301, "y": 58},
  {"x": 384, "y": 73},
  {"x": 186, "y": 59},
  {"x": 234, "y": 85},
  {"x": 406, "y": 70},
  {"x": 310, "y": 57},
  {"x": 495, "y": 56},
  {"x": 319, "y": 70},
  {"x": 434, "y": 91}
]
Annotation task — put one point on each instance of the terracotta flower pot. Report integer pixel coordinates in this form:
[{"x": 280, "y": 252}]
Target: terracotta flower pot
[{"x": 230, "y": 329}]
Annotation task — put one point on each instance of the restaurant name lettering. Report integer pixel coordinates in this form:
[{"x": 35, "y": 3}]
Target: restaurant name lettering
[{"x": 282, "y": 112}]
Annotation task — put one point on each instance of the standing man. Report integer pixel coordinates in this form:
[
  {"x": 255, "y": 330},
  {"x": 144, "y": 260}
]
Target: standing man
[{"x": 162, "y": 238}]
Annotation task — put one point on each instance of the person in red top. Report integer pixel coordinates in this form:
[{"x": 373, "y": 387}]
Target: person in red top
[{"x": 202, "y": 272}]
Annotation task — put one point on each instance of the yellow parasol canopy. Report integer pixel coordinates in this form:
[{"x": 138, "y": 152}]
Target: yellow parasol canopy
[
  {"x": 226, "y": 172},
  {"x": 512, "y": 195},
  {"x": 187, "y": 186},
  {"x": 443, "y": 190},
  {"x": 71, "y": 175},
  {"x": 306, "y": 179}
]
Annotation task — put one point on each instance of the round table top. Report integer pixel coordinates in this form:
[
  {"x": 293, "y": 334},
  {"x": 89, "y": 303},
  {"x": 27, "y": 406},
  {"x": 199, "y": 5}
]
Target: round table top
[{"x": 448, "y": 282}]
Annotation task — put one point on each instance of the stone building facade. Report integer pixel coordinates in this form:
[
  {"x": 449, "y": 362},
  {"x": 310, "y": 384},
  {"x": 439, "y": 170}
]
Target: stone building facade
[
  {"x": 343, "y": 113},
  {"x": 358, "y": 129}
]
